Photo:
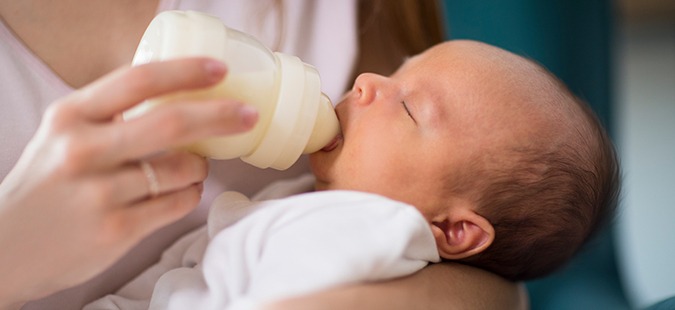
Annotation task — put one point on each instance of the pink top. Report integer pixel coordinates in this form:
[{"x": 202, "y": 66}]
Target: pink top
[{"x": 320, "y": 32}]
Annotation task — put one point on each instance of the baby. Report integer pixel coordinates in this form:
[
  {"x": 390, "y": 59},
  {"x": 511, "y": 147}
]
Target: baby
[
  {"x": 466, "y": 153},
  {"x": 512, "y": 171}
]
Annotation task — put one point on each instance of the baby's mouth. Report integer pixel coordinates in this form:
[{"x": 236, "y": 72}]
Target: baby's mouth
[{"x": 333, "y": 143}]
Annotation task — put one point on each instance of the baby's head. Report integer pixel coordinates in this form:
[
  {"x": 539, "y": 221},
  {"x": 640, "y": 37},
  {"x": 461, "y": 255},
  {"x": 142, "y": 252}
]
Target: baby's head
[{"x": 512, "y": 172}]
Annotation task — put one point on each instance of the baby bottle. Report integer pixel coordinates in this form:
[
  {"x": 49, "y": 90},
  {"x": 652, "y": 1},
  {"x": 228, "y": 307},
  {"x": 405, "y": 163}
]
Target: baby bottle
[{"x": 295, "y": 117}]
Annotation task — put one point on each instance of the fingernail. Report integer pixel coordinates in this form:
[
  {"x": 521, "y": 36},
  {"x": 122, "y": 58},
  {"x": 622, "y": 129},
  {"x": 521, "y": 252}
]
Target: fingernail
[
  {"x": 248, "y": 115},
  {"x": 215, "y": 69}
]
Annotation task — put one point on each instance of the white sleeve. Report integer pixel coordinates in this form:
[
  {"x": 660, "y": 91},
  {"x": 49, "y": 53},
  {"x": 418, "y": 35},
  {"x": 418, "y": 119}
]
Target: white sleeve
[{"x": 315, "y": 241}]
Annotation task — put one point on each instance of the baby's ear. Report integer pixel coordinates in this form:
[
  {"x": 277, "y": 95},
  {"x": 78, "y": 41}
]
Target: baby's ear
[{"x": 462, "y": 233}]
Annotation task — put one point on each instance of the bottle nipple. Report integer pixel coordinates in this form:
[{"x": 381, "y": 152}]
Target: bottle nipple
[
  {"x": 295, "y": 117},
  {"x": 326, "y": 127}
]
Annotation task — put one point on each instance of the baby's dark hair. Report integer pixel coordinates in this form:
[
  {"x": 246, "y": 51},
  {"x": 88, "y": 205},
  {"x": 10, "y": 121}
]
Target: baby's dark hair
[{"x": 547, "y": 201}]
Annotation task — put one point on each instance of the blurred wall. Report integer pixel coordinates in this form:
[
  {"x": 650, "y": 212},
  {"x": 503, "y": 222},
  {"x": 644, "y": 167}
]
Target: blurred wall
[
  {"x": 645, "y": 122},
  {"x": 569, "y": 37}
]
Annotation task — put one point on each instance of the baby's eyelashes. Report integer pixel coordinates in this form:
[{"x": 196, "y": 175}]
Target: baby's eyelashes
[{"x": 405, "y": 106}]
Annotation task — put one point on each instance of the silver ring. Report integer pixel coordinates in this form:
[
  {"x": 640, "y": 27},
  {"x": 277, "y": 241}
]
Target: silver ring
[{"x": 151, "y": 176}]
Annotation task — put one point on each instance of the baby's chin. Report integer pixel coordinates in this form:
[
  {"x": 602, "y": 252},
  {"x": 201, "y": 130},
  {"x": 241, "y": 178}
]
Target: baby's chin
[
  {"x": 321, "y": 186},
  {"x": 321, "y": 165},
  {"x": 318, "y": 162}
]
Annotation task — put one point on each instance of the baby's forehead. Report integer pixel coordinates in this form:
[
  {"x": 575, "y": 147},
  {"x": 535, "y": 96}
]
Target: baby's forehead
[
  {"x": 507, "y": 91},
  {"x": 478, "y": 56},
  {"x": 478, "y": 70},
  {"x": 498, "y": 90}
]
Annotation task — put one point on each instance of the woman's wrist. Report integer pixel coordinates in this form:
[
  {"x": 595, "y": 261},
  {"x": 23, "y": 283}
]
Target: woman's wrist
[
  {"x": 12, "y": 306},
  {"x": 9, "y": 301},
  {"x": 17, "y": 289}
]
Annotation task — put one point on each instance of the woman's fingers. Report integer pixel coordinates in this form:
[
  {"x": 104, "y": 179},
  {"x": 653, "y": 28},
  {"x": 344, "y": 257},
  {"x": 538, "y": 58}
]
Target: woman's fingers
[
  {"x": 146, "y": 216},
  {"x": 87, "y": 116},
  {"x": 178, "y": 170},
  {"x": 169, "y": 172},
  {"x": 126, "y": 87},
  {"x": 177, "y": 124}
]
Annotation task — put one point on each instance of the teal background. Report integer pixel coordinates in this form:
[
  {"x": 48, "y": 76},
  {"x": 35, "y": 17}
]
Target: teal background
[
  {"x": 572, "y": 38},
  {"x": 569, "y": 37}
]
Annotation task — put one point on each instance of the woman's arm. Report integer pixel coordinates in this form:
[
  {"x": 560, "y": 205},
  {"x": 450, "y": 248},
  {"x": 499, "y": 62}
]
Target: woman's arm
[{"x": 439, "y": 286}]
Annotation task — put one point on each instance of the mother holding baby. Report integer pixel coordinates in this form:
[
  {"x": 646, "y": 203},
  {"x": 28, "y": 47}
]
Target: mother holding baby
[{"x": 83, "y": 206}]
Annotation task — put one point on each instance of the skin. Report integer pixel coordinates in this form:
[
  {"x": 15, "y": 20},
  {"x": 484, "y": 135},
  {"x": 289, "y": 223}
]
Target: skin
[
  {"x": 80, "y": 41},
  {"x": 446, "y": 105},
  {"x": 470, "y": 288},
  {"x": 442, "y": 110},
  {"x": 51, "y": 29}
]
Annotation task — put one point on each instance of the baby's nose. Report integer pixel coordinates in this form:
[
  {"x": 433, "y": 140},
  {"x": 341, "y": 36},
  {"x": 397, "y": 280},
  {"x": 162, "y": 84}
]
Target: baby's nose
[{"x": 368, "y": 86}]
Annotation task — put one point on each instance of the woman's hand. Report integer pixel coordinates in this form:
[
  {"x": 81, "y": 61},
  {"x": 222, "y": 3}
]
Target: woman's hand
[{"x": 80, "y": 196}]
